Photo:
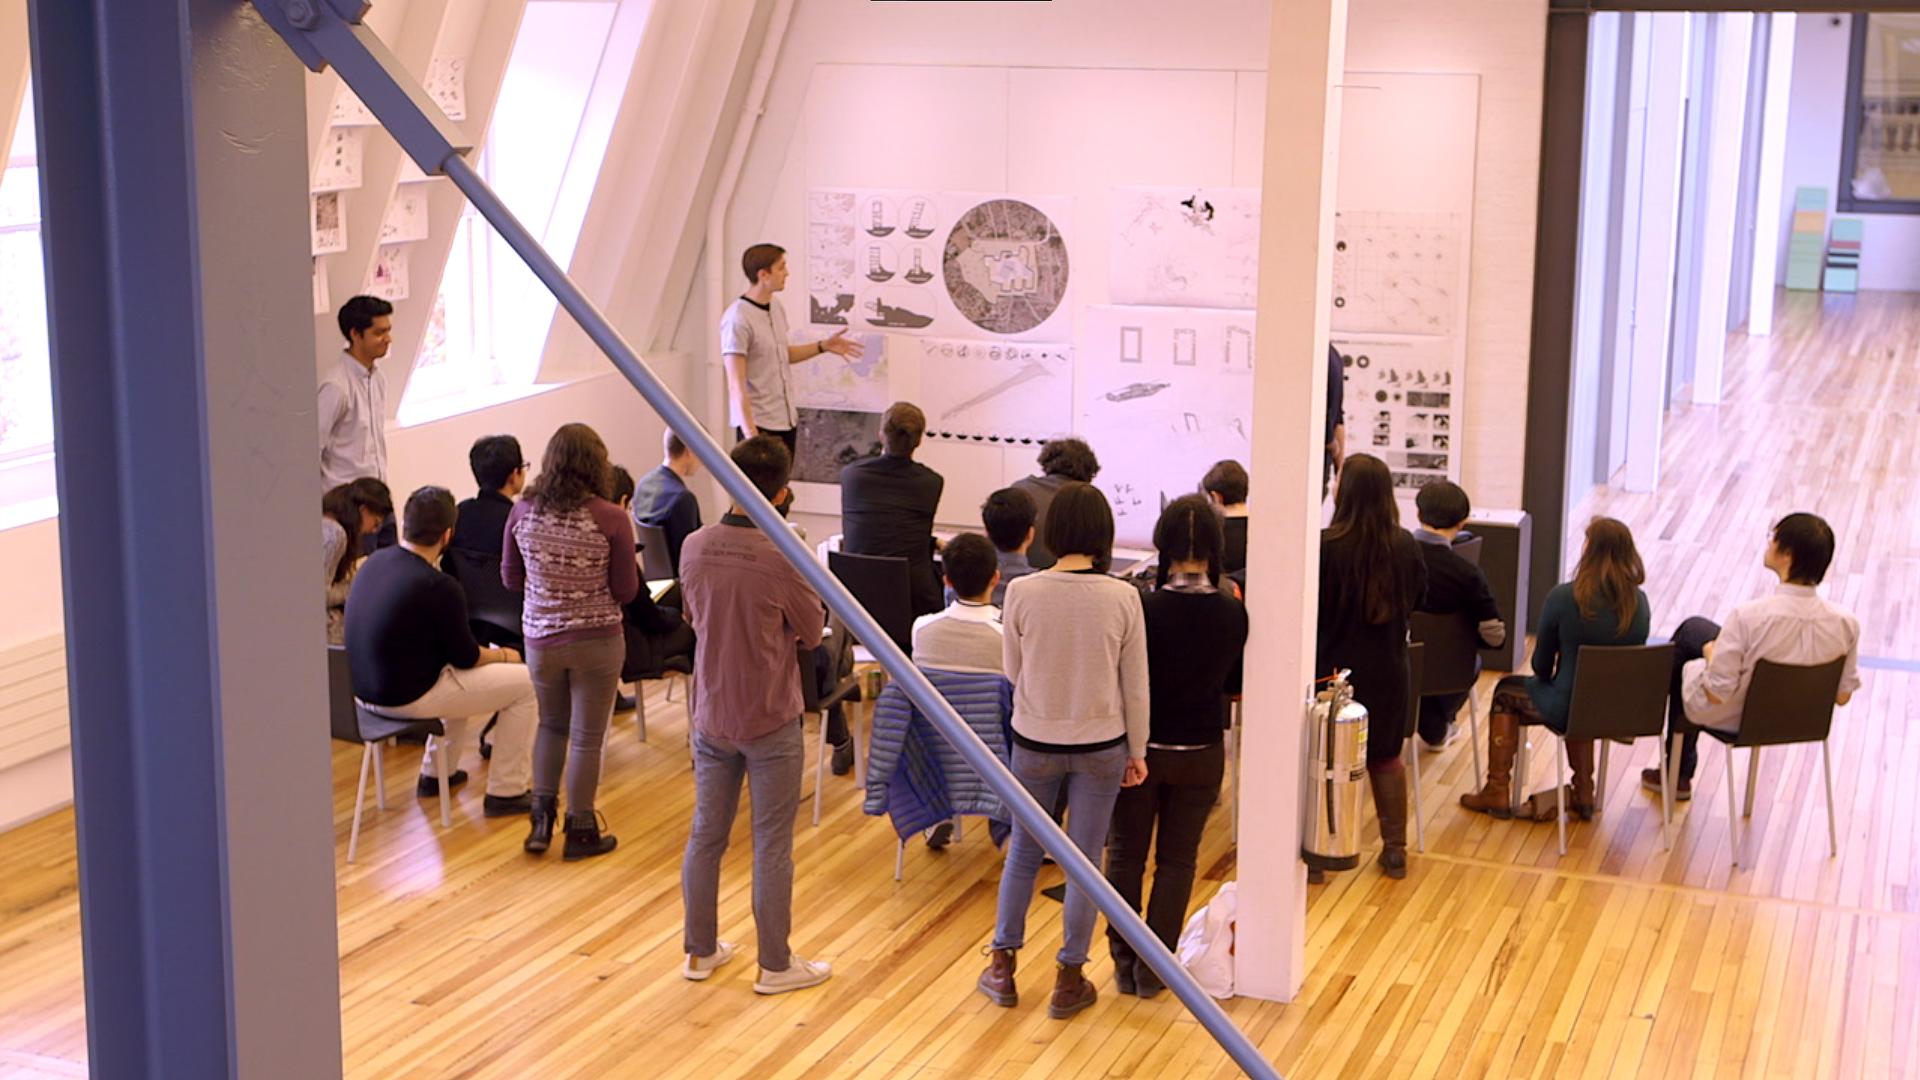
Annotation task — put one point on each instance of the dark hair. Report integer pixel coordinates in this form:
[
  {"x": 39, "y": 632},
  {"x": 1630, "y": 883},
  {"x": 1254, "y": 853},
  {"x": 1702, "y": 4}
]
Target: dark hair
[
  {"x": 357, "y": 315},
  {"x": 1808, "y": 539},
  {"x": 1364, "y": 509},
  {"x": 1008, "y": 515},
  {"x": 1442, "y": 504},
  {"x": 494, "y": 459},
  {"x": 760, "y": 257},
  {"x": 339, "y": 504},
  {"x": 373, "y": 494},
  {"x": 969, "y": 562},
  {"x": 1227, "y": 479},
  {"x": 1079, "y": 522},
  {"x": 1071, "y": 458},
  {"x": 674, "y": 444},
  {"x": 573, "y": 470},
  {"x": 622, "y": 486},
  {"x": 430, "y": 513},
  {"x": 902, "y": 427},
  {"x": 1609, "y": 573},
  {"x": 766, "y": 462},
  {"x": 1189, "y": 528}
]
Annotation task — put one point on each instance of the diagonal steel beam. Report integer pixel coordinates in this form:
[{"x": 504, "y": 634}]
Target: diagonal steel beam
[{"x": 321, "y": 33}]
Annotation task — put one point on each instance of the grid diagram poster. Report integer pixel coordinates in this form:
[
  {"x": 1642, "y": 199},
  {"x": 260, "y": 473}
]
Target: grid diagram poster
[
  {"x": 1162, "y": 394},
  {"x": 1401, "y": 405},
  {"x": 1185, "y": 247}
]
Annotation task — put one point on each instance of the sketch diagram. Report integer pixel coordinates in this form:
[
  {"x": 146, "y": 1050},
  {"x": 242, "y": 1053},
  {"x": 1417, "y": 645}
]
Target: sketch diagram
[
  {"x": 342, "y": 159},
  {"x": 348, "y": 110},
  {"x": 879, "y": 218},
  {"x": 836, "y": 382},
  {"x": 1190, "y": 247},
  {"x": 388, "y": 278},
  {"x": 446, "y": 83},
  {"x": 831, "y": 208},
  {"x": 1135, "y": 390},
  {"x": 1401, "y": 403},
  {"x": 1005, "y": 266},
  {"x": 831, "y": 439},
  {"x": 1001, "y": 392},
  {"x": 880, "y": 263},
  {"x": 1397, "y": 273},
  {"x": 329, "y": 223},
  {"x": 1130, "y": 337},
  {"x": 406, "y": 219},
  {"x": 920, "y": 215},
  {"x": 918, "y": 273},
  {"x": 898, "y": 308},
  {"x": 1239, "y": 348},
  {"x": 829, "y": 309}
]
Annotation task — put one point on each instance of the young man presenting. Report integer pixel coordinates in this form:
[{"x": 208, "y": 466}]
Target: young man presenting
[
  {"x": 755, "y": 350},
  {"x": 1713, "y": 665},
  {"x": 752, "y": 613}
]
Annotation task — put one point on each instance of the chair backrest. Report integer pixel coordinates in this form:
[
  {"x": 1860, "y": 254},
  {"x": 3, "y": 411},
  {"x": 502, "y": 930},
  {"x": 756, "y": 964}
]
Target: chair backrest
[
  {"x": 1469, "y": 550},
  {"x": 1789, "y": 703},
  {"x": 656, "y": 560},
  {"x": 488, "y": 600},
  {"x": 882, "y": 585},
  {"x": 1620, "y": 691},
  {"x": 345, "y": 726},
  {"x": 1416, "y": 660},
  {"x": 1453, "y": 652}
]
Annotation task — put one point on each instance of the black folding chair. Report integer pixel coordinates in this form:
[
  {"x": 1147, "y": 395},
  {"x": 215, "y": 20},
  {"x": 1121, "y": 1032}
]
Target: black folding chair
[
  {"x": 1786, "y": 704},
  {"x": 656, "y": 559},
  {"x": 1452, "y": 666},
  {"x": 882, "y": 585},
  {"x": 353, "y": 721}
]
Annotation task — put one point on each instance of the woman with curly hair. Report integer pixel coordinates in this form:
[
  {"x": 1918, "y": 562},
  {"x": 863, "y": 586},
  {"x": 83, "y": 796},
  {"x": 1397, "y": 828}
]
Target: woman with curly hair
[{"x": 571, "y": 550}]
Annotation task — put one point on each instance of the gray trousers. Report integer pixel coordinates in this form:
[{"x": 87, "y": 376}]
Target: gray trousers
[
  {"x": 575, "y": 685},
  {"x": 772, "y": 766}
]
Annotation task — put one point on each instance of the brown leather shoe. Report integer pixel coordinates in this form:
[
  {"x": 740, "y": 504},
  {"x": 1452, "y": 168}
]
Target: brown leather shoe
[
  {"x": 1072, "y": 992},
  {"x": 997, "y": 981}
]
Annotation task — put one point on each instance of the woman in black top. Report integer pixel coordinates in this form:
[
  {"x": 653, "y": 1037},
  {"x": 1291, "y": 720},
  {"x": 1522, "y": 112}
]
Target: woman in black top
[
  {"x": 1372, "y": 577},
  {"x": 1195, "y": 634}
]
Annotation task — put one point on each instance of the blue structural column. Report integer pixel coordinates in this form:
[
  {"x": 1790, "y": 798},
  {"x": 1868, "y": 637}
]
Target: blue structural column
[{"x": 173, "y": 165}]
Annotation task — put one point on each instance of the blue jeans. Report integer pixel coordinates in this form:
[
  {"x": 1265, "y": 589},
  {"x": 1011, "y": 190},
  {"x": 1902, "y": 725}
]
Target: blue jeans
[{"x": 1092, "y": 782}]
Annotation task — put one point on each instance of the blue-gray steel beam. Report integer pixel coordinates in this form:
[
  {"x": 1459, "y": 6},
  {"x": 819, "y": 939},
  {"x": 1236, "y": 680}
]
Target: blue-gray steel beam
[
  {"x": 172, "y": 152},
  {"x": 388, "y": 92}
]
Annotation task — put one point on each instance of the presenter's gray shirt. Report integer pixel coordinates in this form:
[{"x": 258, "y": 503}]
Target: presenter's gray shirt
[{"x": 759, "y": 333}]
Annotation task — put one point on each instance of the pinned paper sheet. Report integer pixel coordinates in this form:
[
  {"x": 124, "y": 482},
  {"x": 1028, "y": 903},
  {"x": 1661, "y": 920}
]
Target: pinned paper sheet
[
  {"x": 322, "y": 303},
  {"x": 447, "y": 85},
  {"x": 388, "y": 279},
  {"x": 349, "y": 110},
  {"x": 329, "y": 223},
  {"x": 342, "y": 159},
  {"x": 406, "y": 219}
]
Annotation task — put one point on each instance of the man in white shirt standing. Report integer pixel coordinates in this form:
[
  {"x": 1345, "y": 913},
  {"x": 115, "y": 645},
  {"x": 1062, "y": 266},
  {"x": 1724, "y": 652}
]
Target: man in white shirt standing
[
  {"x": 353, "y": 403},
  {"x": 1713, "y": 665},
  {"x": 754, "y": 347}
]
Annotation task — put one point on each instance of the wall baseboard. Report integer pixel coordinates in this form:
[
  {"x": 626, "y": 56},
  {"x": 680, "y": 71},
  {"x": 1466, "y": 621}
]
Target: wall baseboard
[{"x": 33, "y": 789}]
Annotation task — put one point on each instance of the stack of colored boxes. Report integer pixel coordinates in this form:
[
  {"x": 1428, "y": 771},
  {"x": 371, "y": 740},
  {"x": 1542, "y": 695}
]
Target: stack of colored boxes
[
  {"x": 1843, "y": 255},
  {"x": 1804, "y": 247}
]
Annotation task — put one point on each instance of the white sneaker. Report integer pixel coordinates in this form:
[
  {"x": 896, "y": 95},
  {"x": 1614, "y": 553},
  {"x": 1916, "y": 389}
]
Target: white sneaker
[
  {"x": 699, "y": 968},
  {"x": 1453, "y": 736},
  {"x": 800, "y": 974}
]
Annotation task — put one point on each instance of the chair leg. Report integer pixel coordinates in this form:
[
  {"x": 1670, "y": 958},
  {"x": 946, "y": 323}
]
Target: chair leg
[
  {"x": 1600, "y": 778},
  {"x": 1412, "y": 754},
  {"x": 1753, "y": 778},
  {"x": 1560, "y": 788},
  {"x": 640, "y": 708},
  {"x": 1826, "y": 773},
  {"x": 1666, "y": 798},
  {"x": 820, "y": 771},
  {"x": 367, "y": 754},
  {"x": 438, "y": 748},
  {"x": 959, "y": 827},
  {"x": 1733, "y": 812},
  {"x": 861, "y": 721},
  {"x": 1473, "y": 727},
  {"x": 380, "y": 774},
  {"x": 900, "y": 861}
]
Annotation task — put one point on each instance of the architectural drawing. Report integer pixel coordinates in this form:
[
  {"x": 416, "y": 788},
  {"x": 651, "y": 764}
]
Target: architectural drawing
[
  {"x": 1130, "y": 345},
  {"x": 342, "y": 158},
  {"x": 1398, "y": 273},
  {"x": 831, "y": 439},
  {"x": 1401, "y": 404},
  {"x": 880, "y": 263},
  {"x": 406, "y": 219},
  {"x": 1239, "y": 348},
  {"x": 388, "y": 278},
  {"x": 1005, "y": 392},
  {"x": 920, "y": 216},
  {"x": 329, "y": 223},
  {"x": 880, "y": 218},
  {"x": 835, "y": 382},
  {"x": 1189, "y": 247},
  {"x": 902, "y": 308},
  {"x": 1005, "y": 265},
  {"x": 918, "y": 273},
  {"x": 446, "y": 84},
  {"x": 846, "y": 257}
]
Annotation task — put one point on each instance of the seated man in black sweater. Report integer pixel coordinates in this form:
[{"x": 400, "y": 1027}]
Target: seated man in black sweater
[
  {"x": 887, "y": 504},
  {"x": 1453, "y": 585},
  {"x": 501, "y": 472},
  {"x": 414, "y": 657}
]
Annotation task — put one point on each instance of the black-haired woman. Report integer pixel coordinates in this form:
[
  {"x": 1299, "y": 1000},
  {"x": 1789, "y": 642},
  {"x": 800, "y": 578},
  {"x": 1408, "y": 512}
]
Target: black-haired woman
[
  {"x": 1195, "y": 634},
  {"x": 1372, "y": 576}
]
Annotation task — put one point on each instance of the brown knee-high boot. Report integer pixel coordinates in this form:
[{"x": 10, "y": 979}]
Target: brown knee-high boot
[
  {"x": 1545, "y": 805},
  {"x": 1503, "y": 740},
  {"x": 1389, "y": 782}
]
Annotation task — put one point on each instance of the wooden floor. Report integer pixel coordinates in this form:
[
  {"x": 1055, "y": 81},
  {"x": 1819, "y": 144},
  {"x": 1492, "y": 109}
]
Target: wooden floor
[{"x": 460, "y": 957}]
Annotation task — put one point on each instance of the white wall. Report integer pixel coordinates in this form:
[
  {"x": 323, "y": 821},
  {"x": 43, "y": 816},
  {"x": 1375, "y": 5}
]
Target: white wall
[
  {"x": 433, "y": 453},
  {"x": 1500, "y": 40},
  {"x": 1816, "y": 116}
]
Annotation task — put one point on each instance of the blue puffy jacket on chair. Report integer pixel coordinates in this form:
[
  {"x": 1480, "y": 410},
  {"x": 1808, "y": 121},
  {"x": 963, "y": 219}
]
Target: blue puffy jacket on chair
[{"x": 914, "y": 776}]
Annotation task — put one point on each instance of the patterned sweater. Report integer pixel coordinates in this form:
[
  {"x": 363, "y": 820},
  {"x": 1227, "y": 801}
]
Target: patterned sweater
[{"x": 577, "y": 568}]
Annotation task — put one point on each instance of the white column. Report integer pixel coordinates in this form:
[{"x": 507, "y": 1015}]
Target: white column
[
  {"x": 1773, "y": 164},
  {"x": 1733, "y": 41},
  {"x": 1304, "y": 68},
  {"x": 1667, "y": 57}
]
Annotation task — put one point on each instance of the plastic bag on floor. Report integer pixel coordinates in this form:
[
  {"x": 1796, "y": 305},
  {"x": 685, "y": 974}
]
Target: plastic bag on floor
[{"x": 1206, "y": 945}]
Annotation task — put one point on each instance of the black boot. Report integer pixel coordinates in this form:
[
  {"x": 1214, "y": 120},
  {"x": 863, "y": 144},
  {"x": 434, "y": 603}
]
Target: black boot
[
  {"x": 540, "y": 836},
  {"x": 584, "y": 838}
]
